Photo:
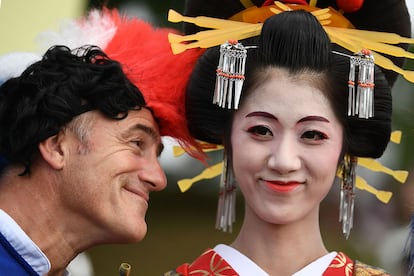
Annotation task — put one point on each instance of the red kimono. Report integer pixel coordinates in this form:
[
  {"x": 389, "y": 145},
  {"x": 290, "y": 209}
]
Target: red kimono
[{"x": 211, "y": 263}]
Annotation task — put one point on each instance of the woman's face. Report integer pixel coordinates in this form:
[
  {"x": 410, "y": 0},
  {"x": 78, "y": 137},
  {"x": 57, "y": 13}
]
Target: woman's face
[{"x": 286, "y": 142}]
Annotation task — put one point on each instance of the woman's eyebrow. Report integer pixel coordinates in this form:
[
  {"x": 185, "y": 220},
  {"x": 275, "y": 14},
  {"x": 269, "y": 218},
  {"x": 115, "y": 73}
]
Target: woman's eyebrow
[
  {"x": 261, "y": 114},
  {"x": 314, "y": 118},
  {"x": 271, "y": 116}
]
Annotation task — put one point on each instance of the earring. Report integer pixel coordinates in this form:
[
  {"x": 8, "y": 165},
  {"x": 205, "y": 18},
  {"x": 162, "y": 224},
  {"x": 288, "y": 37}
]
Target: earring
[
  {"x": 347, "y": 194},
  {"x": 226, "y": 209}
]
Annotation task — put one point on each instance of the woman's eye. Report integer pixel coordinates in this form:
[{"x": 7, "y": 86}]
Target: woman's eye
[
  {"x": 314, "y": 135},
  {"x": 260, "y": 131}
]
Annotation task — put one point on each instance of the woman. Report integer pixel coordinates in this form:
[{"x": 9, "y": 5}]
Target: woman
[{"x": 284, "y": 143}]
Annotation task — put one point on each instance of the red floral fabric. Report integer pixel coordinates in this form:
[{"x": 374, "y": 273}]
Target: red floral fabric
[
  {"x": 212, "y": 264},
  {"x": 340, "y": 265}
]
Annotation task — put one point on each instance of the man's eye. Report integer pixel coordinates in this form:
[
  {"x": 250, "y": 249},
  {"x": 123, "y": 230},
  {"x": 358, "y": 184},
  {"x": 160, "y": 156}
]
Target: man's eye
[
  {"x": 314, "y": 135},
  {"x": 138, "y": 143},
  {"x": 260, "y": 131}
]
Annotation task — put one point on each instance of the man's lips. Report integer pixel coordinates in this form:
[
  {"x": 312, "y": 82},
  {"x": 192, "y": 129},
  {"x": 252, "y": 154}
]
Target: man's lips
[
  {"x": 138, "y": 192},
  {"x": 282, "y": 186}
]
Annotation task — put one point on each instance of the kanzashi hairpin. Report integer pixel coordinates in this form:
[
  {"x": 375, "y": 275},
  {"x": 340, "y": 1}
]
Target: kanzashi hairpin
[
  {"x": 347, "y": 195},
  {"x": 361, "y": 89},
  {"x": 230, "y": 74},
  {"x": 360, "y": 84}
]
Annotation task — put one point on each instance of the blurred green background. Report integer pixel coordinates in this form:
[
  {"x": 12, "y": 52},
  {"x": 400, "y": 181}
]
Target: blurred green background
[{"x": 181, "y": 225}]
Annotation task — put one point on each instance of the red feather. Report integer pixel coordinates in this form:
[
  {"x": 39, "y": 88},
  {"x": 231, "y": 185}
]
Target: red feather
[{"x": 147, "y": 59}]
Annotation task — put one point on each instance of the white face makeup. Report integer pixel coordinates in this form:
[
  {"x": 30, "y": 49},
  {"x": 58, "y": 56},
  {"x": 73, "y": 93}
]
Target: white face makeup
[{"x": 286, "y": 142}]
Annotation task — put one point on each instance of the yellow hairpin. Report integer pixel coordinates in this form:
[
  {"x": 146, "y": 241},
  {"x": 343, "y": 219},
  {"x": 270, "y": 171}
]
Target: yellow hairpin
[
  {"x": 352, "y": 39},
  {"x": 208, "y": 173}
]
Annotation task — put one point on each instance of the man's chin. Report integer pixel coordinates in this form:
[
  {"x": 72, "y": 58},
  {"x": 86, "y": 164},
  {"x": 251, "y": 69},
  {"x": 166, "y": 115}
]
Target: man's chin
[
  {"x": 133, "y": 235},
  {"x": 139, "y": 234}
]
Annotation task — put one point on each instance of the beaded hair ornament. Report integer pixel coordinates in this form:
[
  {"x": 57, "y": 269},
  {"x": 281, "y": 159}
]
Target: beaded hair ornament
[
  {"x": 230, "y": 74},
  {"x": 368, "y": 47}
]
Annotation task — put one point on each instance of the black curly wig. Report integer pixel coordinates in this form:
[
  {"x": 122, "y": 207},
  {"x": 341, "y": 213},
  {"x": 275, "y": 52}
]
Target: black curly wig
[{"x": 54, "y": 90}]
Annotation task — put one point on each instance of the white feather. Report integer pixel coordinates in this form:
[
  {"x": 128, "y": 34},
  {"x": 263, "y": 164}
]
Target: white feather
[
  {"x": 13, "y": 64},
  {"x": 96, "y": 29}
]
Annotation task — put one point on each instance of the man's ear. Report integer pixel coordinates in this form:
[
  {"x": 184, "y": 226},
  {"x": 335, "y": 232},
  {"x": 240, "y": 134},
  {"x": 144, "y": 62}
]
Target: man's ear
[{"x": 52, "y": 150}]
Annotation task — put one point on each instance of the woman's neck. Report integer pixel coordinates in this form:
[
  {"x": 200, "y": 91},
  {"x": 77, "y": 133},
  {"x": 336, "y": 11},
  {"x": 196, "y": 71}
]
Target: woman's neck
[{"x": 280, "y": 249}]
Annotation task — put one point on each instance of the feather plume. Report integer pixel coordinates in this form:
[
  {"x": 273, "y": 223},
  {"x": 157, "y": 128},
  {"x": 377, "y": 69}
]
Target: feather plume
[
  {"x": 97, "y": 28},
  {"x": 13, "y": 64},
  {"x": 147, "y": 59}
]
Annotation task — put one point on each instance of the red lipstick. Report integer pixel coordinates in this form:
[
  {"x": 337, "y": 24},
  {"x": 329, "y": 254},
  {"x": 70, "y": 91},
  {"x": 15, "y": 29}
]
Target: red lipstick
[{"x": 281, "y": 186}]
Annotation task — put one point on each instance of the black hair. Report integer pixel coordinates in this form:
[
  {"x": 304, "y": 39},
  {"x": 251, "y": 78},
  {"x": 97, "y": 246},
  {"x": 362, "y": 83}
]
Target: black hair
[
  {"x": 54, "y": 90},
  {"x": 384, "y": 16},
  {"x": 296, "y": 42},
  {"x": 304, "y": 46}
]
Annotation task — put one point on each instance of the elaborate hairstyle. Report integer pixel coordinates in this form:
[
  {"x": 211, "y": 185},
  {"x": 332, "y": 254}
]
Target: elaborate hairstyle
[
  {"x": 296, "y": 42},
  {"x": 54, "y": 90},
  {"x": 393, "y": 14}
]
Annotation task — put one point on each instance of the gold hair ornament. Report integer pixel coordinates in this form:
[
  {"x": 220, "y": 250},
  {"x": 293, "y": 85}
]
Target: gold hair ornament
[{"x": 351, "y": 39}]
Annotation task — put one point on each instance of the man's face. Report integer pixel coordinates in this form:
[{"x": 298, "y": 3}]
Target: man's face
[{"x": 106, "y": 180}]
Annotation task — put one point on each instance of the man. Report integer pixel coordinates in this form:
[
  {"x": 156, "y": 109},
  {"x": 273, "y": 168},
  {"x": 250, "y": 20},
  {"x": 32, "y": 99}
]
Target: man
[{"x": 79, "y": 150}]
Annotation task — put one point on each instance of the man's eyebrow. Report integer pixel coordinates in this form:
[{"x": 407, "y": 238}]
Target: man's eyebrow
[{"x": 151, "y": 132}]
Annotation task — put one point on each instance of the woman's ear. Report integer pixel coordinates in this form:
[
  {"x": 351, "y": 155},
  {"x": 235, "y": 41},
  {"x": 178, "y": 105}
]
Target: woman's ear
[{"x": 52, "y": 151}]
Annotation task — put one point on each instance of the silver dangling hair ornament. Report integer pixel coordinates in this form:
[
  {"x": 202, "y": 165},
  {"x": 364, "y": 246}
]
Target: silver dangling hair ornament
[
  {"x": 229, "y": 83},
  {"x": 226, "y": 209},
  {"x": 347, "y": 194},
  {"x": 361, "y": 90},
  {"x": 230, "y": 74}
]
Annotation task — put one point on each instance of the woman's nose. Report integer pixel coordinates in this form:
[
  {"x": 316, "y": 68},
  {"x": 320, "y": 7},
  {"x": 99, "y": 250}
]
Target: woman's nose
[{"x": 285, "y": 155}]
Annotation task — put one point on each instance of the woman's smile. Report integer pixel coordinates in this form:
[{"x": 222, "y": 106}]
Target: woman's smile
[{"x": 282, "y": 186}]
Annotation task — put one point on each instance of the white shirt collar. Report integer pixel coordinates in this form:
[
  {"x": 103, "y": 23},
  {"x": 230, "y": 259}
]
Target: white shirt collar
[
  {"x": 21, "y": 242},
  {"x": 246, "y": 267}
]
